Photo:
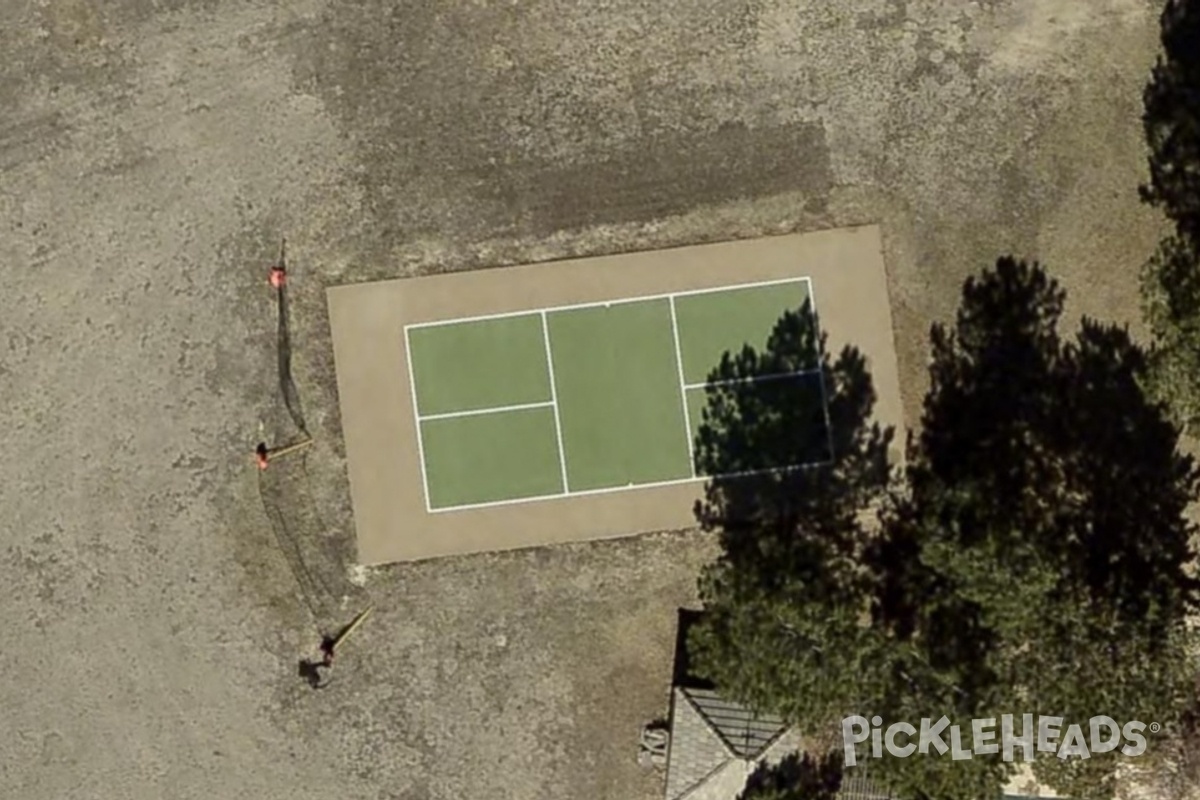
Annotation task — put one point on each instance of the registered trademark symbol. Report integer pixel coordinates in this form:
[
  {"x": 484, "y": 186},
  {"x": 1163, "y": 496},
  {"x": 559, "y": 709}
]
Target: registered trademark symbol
[{"x": 1155, "y": 727}]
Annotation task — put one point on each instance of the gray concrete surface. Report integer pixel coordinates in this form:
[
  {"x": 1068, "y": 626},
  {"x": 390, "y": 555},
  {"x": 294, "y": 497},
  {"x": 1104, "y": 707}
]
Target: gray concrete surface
[{"x": 153, "y": 153}]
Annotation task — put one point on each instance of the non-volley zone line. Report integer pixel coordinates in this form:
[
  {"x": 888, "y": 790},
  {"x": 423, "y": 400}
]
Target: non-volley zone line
[{"x": 758, "y": 379}]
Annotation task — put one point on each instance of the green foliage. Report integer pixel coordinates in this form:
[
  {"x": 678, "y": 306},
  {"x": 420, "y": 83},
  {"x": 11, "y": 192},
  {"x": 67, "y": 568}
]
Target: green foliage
[
  {"x": 939, "y": 777},
  {"x": 1035, "y": 558},
  {"x": 1170, "y": 284},
  {"x": 1171, "y": 119},
  {"x": 1171, "y": 279},
  {"x": 791, "y": 584},
  {"x": 1048, "y": 493}
]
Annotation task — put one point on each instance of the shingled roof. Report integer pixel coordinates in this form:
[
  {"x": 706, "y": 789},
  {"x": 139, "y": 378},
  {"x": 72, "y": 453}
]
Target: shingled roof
[
  {"x": 716, "y": 743},
  {"x": 710, "y": 735},
  {"x": 745, "y": 733}
]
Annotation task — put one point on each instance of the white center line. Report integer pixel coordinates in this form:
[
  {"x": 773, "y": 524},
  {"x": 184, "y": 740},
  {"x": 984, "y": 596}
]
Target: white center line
[{"x": 492, "y": 410}]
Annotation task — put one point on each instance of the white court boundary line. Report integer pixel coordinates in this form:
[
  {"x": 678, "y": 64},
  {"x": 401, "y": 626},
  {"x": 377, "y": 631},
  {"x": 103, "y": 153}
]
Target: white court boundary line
[
  {"x": 544, "y": 312},
  {"x": 412, "y": 385},
  {"x": 687, "y": 418},
  {"x": 653, "y": 485},
  {"x": 562, "y": 456},
  {"x": 618, "y": 301}
]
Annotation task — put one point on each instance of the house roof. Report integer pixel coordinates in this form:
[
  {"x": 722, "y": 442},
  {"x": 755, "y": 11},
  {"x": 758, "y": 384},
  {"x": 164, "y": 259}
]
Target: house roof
[
  {"x": 711, "y": 737},
  {"x": 745, "y": 733},
  {"x": 696, "y": 752},
  {"x": 716, "y": 743}
]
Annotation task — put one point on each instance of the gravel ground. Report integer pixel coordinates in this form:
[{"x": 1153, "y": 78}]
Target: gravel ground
[{"x": 153, "y": 153}]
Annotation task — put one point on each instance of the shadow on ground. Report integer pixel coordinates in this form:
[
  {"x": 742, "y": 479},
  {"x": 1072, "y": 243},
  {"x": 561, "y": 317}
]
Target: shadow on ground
[
  {"x": 287, "y": 384},
  {"x": 796, "y": 776},
  {"x": 316, "y": 560}
]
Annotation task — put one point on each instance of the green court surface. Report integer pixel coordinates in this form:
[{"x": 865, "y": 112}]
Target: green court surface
[
  {"x": 480, "y": 458},
  {"x": 618, "y": 395},
  {"x": 483, "y": 364},
  {"x": 584, "y": 399}
]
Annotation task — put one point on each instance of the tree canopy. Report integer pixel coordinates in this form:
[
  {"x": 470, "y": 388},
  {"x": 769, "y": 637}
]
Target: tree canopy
[
  {"x": 1171, "y": 119},
  {"x": 1033, "y": 556},
  {"x": 790, "y": 580},
  {"x": 1171, "y": 278}
]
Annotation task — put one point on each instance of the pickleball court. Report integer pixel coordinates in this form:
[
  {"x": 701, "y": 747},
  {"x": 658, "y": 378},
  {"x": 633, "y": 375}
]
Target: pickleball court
[
  {"x": 556, "y": 402},
  {"x": 590, "y": 398}
]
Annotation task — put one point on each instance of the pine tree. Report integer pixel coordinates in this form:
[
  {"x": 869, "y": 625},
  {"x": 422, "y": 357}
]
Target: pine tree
[
  {"x": 1171, "y": 279},
  {"x": 1035, "y": 558}
]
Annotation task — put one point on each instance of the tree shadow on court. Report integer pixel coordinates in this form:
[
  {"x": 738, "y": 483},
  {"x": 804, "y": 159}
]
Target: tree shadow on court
[
  {"x": 787, "y": 435},
  {"x": 796, "y": 777},
  {"x": 1037, "y": 551}
]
